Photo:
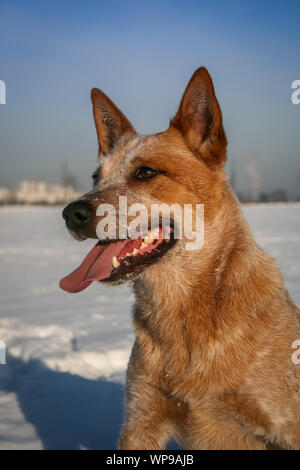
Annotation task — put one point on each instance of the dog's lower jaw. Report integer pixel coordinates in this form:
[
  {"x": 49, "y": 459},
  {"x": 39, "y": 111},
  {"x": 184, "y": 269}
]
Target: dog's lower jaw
[{"x": 126, "y": 278}]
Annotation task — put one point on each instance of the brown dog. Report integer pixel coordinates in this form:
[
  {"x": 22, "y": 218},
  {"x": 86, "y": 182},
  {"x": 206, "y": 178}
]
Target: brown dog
[{"x": 212, "y": 362}]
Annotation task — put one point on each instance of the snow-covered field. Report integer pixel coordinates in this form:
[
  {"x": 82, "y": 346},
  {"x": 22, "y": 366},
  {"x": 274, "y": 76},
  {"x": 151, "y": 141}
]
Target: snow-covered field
[{"x": 62, "y": 386}]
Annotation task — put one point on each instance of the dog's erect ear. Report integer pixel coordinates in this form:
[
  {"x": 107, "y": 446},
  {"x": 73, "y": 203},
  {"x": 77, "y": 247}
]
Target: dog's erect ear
[
  {"x": 199, "y": 119},
  {"x": 110, "y": 122}
]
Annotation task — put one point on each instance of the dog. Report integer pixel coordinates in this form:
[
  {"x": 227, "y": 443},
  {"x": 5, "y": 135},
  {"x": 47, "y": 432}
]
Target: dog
[{"x": 211, "y": 366}]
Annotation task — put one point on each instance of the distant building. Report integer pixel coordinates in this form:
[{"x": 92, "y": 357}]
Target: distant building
[
  {"x": 38, "y": 192},
  {"x": 5, "y": 196},
  {"x": 279, "y": 195}
]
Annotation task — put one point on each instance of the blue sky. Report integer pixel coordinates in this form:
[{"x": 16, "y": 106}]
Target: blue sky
[{"x": 142, "y": 55}]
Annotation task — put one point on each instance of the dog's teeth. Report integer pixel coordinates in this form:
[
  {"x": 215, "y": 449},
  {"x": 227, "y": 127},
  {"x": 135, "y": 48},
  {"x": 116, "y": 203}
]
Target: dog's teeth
[
  {"x": 135, "y": 251},
  {"x": 128, "y": 254},
  {"x": 155, "y": 233},
  {"x": 143, "y": 245},
  {"x": 115, "y": 262},
  {"x": 149, "y": 239}
]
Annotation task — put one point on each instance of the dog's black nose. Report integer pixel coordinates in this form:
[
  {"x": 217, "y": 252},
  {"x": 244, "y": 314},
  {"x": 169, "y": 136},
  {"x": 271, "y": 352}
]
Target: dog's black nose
[{"x": 77, "y": 214}]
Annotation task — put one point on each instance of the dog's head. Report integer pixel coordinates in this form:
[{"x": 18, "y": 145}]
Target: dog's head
[{"x": 183, "y": 166}]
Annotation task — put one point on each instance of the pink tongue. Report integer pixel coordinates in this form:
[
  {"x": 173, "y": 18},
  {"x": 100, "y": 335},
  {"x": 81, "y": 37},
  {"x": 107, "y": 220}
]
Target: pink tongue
[{"x": 95, "y": 266}]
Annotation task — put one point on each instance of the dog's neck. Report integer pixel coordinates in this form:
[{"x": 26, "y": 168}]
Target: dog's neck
[{"x": 210, "y": 289}]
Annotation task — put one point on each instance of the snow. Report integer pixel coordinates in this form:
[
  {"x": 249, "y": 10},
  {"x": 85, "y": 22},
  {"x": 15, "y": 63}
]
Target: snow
[{"x": 63, "y": 384}]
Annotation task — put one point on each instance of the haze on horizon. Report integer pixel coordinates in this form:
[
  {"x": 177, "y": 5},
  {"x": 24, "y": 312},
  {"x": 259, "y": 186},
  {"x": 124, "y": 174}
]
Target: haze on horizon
[{"x": 142, "y": 56}]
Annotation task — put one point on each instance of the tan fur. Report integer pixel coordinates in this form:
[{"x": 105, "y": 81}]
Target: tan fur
[{"x": 211, "y": 365}]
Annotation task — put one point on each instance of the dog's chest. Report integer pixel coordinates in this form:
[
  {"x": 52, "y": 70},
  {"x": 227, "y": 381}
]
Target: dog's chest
[{"x": 168, "y": 365}]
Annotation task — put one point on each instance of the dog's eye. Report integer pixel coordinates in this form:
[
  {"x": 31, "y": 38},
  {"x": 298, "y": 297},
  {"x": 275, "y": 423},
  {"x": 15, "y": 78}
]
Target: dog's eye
[{"x": 144, "y": 172}]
